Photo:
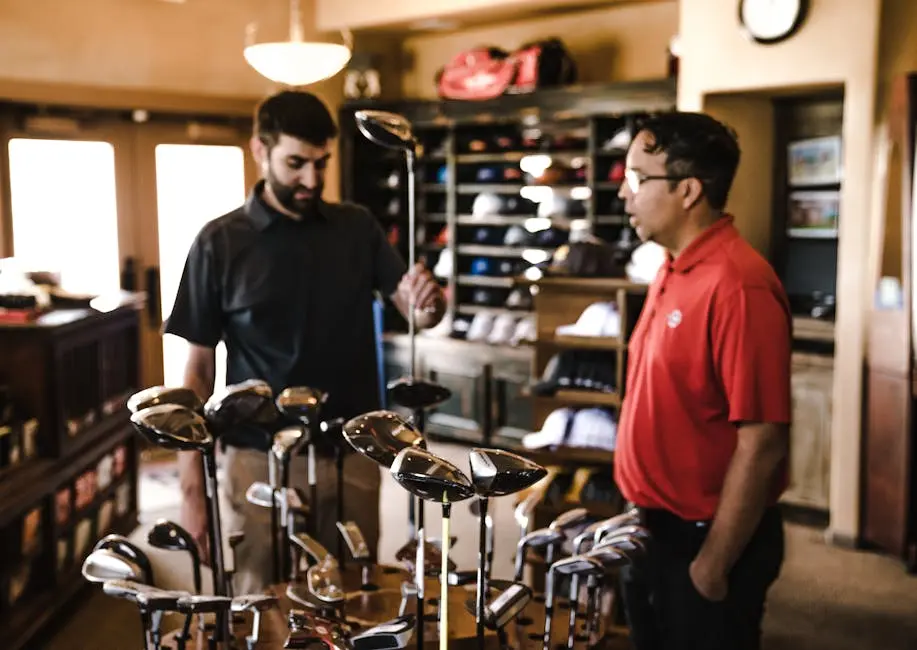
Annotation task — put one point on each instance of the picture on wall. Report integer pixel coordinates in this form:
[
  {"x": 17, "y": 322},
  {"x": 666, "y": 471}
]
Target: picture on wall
[
  {"x": 815, "y": 161},
  {"x": 813, "y": 214}
]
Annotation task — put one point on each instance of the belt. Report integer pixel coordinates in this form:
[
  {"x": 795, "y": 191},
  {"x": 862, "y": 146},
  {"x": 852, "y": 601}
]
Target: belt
[{"x": 663, "y": 522}]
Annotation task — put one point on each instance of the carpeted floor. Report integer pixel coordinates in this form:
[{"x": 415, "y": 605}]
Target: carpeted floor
[{"x": 827, "y": 598}]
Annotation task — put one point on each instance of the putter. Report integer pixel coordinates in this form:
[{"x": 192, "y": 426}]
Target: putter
[
  {"x": 124, "y": 547},
  {"x": 164, "y": 395},
  {"x": 198, "y": 604},
  {"x": 434, "y": 479},
  {"x": 495, "y": 473},
  {"x": 150, "y": 601},
  {"x": 359, "y": 550},
  {"x": 578, "y": 565},
  {"x": 256, "y": 604},
  {"x": 179, "y": 428},
  {"x": 391, "y": 635}
]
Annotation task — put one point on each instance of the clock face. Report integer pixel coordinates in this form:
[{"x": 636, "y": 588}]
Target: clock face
[{"x": 770, "y": 21}]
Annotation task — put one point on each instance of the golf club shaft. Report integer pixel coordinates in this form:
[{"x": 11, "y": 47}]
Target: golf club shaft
[
  {"x": 419, "y": 579},
  {"x": 482, "y": 558},
  {"x": 283, "y": 542},
  {"x": 574, "y": 596},
  {"x": 340, "y": 505},
  {"x": 412, "y": 246},
  {"x": 313, "y": 491},
  {"x": 275, "y": 524},
  {"x": 444, "y": 582},
  {"x": 216, "y": 543}
]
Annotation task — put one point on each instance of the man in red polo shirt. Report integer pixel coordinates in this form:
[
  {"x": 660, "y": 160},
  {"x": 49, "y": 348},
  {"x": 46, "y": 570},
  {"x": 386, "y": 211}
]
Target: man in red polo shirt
[{"x": 703, "y": 431}]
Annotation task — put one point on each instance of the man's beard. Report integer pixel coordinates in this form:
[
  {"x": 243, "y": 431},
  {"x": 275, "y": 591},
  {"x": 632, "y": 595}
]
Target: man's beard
[{"x": 286, "y": 196}]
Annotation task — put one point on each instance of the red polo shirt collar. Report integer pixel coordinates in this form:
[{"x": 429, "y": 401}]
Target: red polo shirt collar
[{"x": 704, "y": 245}]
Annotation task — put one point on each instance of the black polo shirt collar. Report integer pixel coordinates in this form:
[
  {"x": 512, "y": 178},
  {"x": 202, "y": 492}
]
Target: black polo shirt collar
[
  {"x": 263, "y": 215},
  {"x": 704, "y": 245}
]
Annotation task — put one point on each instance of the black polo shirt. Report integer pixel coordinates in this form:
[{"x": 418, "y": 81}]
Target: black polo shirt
[{"x": 292, "y": 300}]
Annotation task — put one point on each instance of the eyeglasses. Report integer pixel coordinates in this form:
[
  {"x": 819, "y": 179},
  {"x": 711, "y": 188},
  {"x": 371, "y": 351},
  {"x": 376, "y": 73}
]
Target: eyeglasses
[{"x": 635, "y": 179}]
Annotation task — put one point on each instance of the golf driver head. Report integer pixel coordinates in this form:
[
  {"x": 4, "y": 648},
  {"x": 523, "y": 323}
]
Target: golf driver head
[
  {"x": 175, "y": 427},
  {"x": 415, "y": 393},
  {"x": 430, "y": 477},
  {"x": 301, "y": 403},
  {"x": 156, "y": 395},
  {"x": 386, "y": 129},
  {"x": 104, "y": 565},
  {"x": 381, "y": 435},
  {"x": 249, "y": 402},
  {"x": 127, "y": 549},
  {"x": 496, "y": 473}
]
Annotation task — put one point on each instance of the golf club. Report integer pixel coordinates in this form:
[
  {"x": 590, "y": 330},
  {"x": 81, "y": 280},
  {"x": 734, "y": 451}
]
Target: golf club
[
  {"x": 332, "y": 432},
  {"x": 149, "y": 600},
  {"x": 155, "y": 395},
  {"x": 104, "y": 564},
  {"x": 256, "y": 604},
  {"x": 495, "y": 473},
  {"x": 179, "y": 428},
  {"x": 169, "y": 536},
  {"x": 434, "y": 479},
  {"x": 201, "y": 604},
  {"x": 123, "y": 546},
  {"x": 391, "y": 635},
  {"x": 286, "y": 443},
  {"x": 578, "y": 565}
]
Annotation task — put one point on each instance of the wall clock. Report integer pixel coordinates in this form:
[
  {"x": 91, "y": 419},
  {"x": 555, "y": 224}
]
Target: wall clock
[{"x": 771, "y": 21}]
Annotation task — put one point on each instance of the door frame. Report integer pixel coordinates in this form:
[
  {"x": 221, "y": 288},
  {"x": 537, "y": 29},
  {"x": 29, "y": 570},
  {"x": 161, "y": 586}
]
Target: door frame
[{"x": 146, "y": 209}]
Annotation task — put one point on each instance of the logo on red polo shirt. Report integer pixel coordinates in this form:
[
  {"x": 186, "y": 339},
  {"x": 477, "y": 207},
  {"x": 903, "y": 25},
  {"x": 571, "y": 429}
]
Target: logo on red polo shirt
[{"x": 673, "y": 320}]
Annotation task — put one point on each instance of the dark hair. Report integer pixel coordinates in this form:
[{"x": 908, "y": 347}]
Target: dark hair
[
  {"x": 295, "y": 113},
  {"x": 696, "y": 146}
]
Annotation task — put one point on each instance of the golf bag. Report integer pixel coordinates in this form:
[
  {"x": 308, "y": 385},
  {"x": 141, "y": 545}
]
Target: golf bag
[{"x": 489, "y": 72}]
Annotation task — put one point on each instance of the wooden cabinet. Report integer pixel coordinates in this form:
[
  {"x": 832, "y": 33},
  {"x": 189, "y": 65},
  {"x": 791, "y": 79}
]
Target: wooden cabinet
[
  {"x": 810, "y": 436},
  {"x": 73, "y": 479}
]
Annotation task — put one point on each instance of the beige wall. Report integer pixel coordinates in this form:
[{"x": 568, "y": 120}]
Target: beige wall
[
  {"x": 619, "y": 43},
  {"x": 837, "y": 45}
]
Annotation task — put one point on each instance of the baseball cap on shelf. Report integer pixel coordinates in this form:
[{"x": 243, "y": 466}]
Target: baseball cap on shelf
[
  {"x": 645, "y": 262},
  {"x": 444, "y": 264},
  {"x": 525, "y": 331},
  {"x": 593, "y": 428},
  {"x": 486, "y": 204},
  {"x": 598, "y": 319},
  {"x": 503, "y": 329},
  {"x": 619, "y": 142},
  {"x": 481, "y": 266},
  {"x": 481, "y": 326},
  {"x": 516, "y": 236}
]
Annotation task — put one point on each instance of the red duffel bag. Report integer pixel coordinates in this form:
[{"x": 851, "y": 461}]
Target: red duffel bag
[{"x": 488, "y": 72}]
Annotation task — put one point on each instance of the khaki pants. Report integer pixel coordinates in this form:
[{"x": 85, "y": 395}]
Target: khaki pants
[{"x": 242, "y": 467}]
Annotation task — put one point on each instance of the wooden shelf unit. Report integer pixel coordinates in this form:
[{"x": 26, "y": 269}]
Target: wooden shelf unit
[
  {"x": 561, "y": 301},
  {"x": 71, "y": 371}
]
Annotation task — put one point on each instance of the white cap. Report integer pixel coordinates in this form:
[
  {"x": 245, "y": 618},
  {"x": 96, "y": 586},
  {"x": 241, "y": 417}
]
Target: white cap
[
  {"x": 481, "y": 326},
  {"x": 503, "y": 328},
  {"x": 592, "y": 427},
  {"x": 645, "y": 262},
  {"x": 598, "y": 319},
  {"x": 552, "y": 431},
  {"x": 525, "y": 331},
  {"x": 443, "y": 268}
]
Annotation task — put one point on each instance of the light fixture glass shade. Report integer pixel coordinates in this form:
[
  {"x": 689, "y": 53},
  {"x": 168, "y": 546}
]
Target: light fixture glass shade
[{"x": 297, "y": 63}]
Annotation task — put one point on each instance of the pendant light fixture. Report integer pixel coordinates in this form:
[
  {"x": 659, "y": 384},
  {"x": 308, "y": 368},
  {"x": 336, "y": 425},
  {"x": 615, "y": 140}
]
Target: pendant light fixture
[{"x": 296, "y": 62}]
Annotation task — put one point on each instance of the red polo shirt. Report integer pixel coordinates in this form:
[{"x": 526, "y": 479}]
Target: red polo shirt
[{"x": 711, "y": 350}]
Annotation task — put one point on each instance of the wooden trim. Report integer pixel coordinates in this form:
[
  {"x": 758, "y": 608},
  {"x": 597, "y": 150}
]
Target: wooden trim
[{"x": 123, "y": 98}]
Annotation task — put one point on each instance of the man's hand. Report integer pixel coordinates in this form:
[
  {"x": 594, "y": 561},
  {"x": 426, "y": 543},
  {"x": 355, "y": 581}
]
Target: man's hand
[
  {"x": 709, "y": 581},
  {"x": 429, "y": 304}
]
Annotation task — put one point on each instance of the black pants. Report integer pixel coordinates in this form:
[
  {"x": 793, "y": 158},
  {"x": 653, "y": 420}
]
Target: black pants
[{"x": 666, "y": 612}]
